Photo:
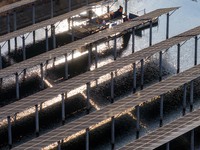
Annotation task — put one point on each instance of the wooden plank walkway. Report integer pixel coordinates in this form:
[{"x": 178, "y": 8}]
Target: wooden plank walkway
[
  {"x": 89, "y": 76},
  {"x": 80, "y": 43},
  {"x": 15, "y": 5},
  {"x": 114, "y": 109},
  {"x": 166, "y": 133}
]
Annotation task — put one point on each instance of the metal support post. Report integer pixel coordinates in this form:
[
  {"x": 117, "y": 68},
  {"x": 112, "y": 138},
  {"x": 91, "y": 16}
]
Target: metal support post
[
  {"x": 134, "y": 77},
  {"x": 15, "y": 43},
  {"x": 17, "y": 85},
  {"x": 168, "y": 146},
  {"x": 8, "y": 22},
  {"x": 87, "y": 139},
  {"x": 167, "y": 27},
  {"x": 9, "y": 47},
  {"x": 54, "y": 36},
  {"x": 96, "y": 57},
  {"x": 138, "y": 121},
  {"x": 87, "y": 2},
  {"x": 24, "y": 75},
  {"x": 160, "y": 66},
  {"x": 184, "y": 98},
  {"x": 66, "y": 67},
  {"x": 161, "y": 110},
  {"x": 47, "y": 39},
  {"x": 108, "y": 9},
  {"x": 42, "y": 76},
  {"x": 88, "y": 98},
  {"x": 72, "y": 27},
  {"x": 89, "y": 56},
  {"x": 59, "y": 146},
  {"x": 63, "y": 108},
  {"x": 115, "y": 48},
  {"x": 142, "y": 74},
  {"x": 36, "y": 120},
  {"x": 33, "y": 13},
  {"x": 1, "y": 83},
  {"x": 9, "y": 132},
  {"x": 15, "y": 20},
  {"x": 191, "y": 95},
  {"x": 70, "y": 5},
  {"x": 133, "y": 40},
  {"x": 195, "y": 52},
  {"x": 51, "y": 8},
  {"x": 23, "y": 48},
  {"x": 112, "y": 88},
  {"x": 126, "y": 6},
  {"x": 1, "y": 65},
  {"x": 150, "y": 34},
  {"x": 178, "y": 58},
  {"x": 113, "y": 133},
  {"x": 33, "y": 37},
  {"x": 192, "y": 140}
]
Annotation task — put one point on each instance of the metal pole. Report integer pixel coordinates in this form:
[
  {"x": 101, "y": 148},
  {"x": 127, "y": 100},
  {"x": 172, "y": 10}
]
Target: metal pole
[
  {"x": 87, "y": 139},
  {"x": 195, "y": 52},
  {"x": 88, "y": 98},
  {"x": 167, "y": 27},
  {"x": 115, "y": 48},
  {"x": 192, "y": 140},
  {"x": 108, "y": 9},
  {"x": 9, "y": 47},
  {"x": 150, "y": 34},
  {"x": 138, "y": 121},
  {"x": 51, "y": 8},
  {"x": 89, "y": 56},
  {"x": 70, "y": 5},
  {"x": 66, "y": 68},
  {"x": 36, "y": 120},
  {"x": 42, "y": 76},
  {"x": 133, "y": 40},
  {"x": 33, "y": 37},
  {"x": 142, "y": 74},
  {"x": 54, "y": 36},
  {"x": 47, "y": 39},
  {"x": 23, "y": 48},
  {"x": 17, "y": 85},
  {"x": 134, "y": 77},
  {"x": 126, "y": 5},
  {"x": 167, "y": 146},
  {"x": 8, "y": 22},
  {"x": 59, "y": 145},
  {"x": 1, "y": 65},
  {"x": 33, "y": 13},
  {"x": 9, "y": 132},
  {"x": 96, "y": 57},
  {"x": 113, "y": 133},
  {"x": 184, "y": 98},
  {"x": 63, "y": 108},
  {"x": 160, "y": 66},
  {"x": 161, "y": 110},
  {"x": 15, "y": 20},
  {"x": 112, "y": 88},
  {"x": 178, "y": 58},
  {"x": 87, "y": 2},
  {"x": 72, "y": 29},
  {"x": 191, "y": 95}
]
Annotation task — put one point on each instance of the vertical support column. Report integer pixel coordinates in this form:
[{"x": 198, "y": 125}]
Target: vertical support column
[
  {"x": 63, "y": 108},
  {"x": 42, "y": 76},
  {"x": 112, "y": 88},
  {"x": 134, "y": 77},
  {"x": 87, "y": 2},
  {"x": 66, "y": 67},
  {"x": 47, "y": 39},
  {"x": 33, "y": 13},
  {"x": 54, "y": 36},
  {"x": 138, "y": 121},
  {"x": 1, "y": 65},
  {"x": 108, "y": 9},
  {"x": 191, "y": 95},
  {"x": 59, "y": 146},
  {"x": 115, "y": 48},
  {"x": 184, "y": 98},
  {"x": 17, "y": 85},
  {"x": 178, "y": 58},
  {"x": 133, "y": 40},
  {"x": 8, "y": 22},
  {"x": 195, "y": 52},
  {"x": 70, "y": 5},
  {"x": 89, "y": 56},
  {"x": 87, "y": 144},
  {"x": 36, "y": 120},
  {"x": 51, "y": 8},
  {"x": 142, "y": 74},
  {"x": 150, "y": 33},
  {"x": 161, "y": 110},
  {"x": 160, "y": 66},
  {"x": 96, "y": 56},
  {"x": 126, "y": 6},
  {"x": 72, "y": 27},
  {"x": 113, "y": 133},
  {"x": 9, "y": 47},
  {"x": 9, "y": 132},
  {"x": 168, "y": 146},
  {"x": 15, "y": 26},
  {"x": 192, "y": 140},
  {"x": 88, "y": 98},
  {"x": 33, "y": 37},
  {"x": 167, "y": 27},
  {"x": 23, "y": 48}
]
